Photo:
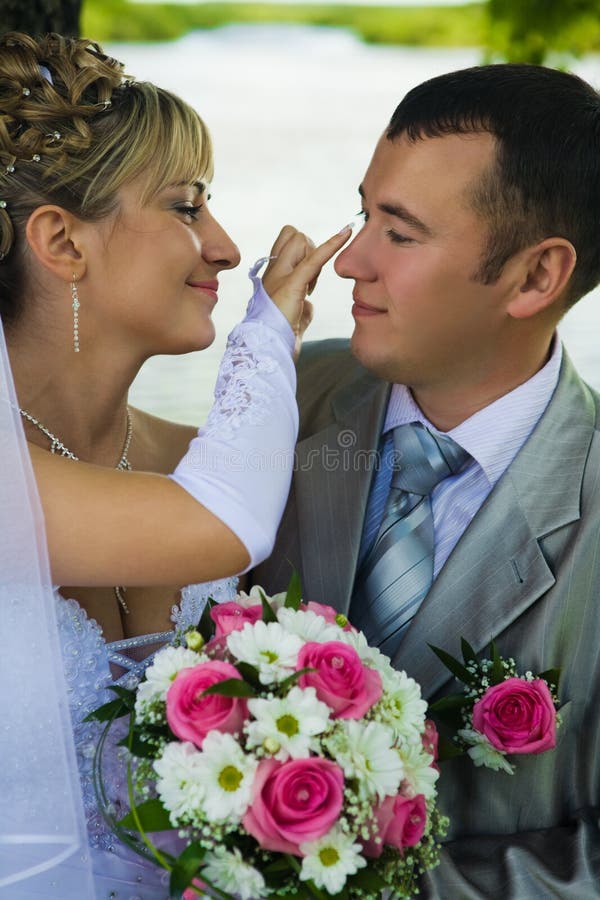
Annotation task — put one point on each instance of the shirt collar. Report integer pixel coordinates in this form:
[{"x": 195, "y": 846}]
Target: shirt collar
[{"x": 495, "y": 434}]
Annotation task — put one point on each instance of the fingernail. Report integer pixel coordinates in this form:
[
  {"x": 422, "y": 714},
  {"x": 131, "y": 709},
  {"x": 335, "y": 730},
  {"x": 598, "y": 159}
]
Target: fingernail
[{"x": 347, "y": 227}]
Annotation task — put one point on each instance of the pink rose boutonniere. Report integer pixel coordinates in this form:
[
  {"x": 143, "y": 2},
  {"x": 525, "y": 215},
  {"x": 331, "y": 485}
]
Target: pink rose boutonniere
[{"x": 500, "y": 713}]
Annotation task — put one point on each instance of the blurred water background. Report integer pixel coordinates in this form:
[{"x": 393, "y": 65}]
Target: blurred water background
[{"x": 295, "y": 113}]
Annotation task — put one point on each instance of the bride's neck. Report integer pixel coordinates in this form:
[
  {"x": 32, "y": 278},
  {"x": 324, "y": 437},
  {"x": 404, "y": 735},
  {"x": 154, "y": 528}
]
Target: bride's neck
[{"x": 80, "y": 397}]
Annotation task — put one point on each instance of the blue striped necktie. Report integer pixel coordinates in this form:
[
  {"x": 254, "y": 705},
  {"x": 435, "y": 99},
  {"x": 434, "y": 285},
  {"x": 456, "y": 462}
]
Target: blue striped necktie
[{"x": 397, "y": 572}]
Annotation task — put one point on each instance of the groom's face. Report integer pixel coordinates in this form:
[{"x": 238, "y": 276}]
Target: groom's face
[{"x": 421, "y": 316}]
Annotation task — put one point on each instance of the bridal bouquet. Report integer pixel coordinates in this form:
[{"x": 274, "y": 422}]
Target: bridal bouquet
[{"x": 286, "y": 754}]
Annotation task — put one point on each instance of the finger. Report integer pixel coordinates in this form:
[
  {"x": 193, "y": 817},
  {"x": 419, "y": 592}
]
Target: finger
[
  {"x": 308, "y": 269},
  {"x": 296, "y": 249},
  {"x": 287, "y": 232}
]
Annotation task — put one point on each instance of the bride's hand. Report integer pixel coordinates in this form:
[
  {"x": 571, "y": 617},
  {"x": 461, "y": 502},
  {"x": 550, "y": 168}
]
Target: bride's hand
[{"x": 293, "y": 271}]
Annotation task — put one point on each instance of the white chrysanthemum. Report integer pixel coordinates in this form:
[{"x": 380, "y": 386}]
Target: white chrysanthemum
[
  {"x": 482, "y": 753},
  {"x": 418, "y": 771},
  {"x": 226, "y": 774},
  {"x": 308, "y": 625},
  {"x": 329, "y": 860},
  {"x": 268, "y": 647},
  {"x": 370, "y": 656},
  {"x": 254, "y": 597},
  {"x": 402, "y": 707},
  {"x": 227, "y": 870},
  {"x": 286, "y": 726},
  {"x": 161, "y": 674},
  {"x": 367, "y": 754},
  {"x": 180, "y": 784}
]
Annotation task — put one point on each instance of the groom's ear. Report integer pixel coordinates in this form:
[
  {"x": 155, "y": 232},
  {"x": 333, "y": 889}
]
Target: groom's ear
[
  {"x": 544, "y": 273},
  {"x": 57, "y": 239}
]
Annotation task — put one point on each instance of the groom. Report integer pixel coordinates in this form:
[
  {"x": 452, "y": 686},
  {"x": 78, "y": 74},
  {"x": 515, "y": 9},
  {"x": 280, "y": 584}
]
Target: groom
[{"x": 481, "y": 228}]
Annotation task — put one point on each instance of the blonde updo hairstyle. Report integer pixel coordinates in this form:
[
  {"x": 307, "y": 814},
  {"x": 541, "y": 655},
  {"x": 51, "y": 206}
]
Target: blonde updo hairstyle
[{"x": 76, "y": 139}]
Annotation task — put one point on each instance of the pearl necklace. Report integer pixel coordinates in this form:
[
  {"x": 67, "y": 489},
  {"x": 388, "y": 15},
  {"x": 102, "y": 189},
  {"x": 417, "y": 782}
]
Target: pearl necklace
[{"x": 123, "y": 465}]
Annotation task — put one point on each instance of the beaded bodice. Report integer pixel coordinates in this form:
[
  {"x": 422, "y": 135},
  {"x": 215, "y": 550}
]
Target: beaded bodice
[{"x": 87, "y": 659}]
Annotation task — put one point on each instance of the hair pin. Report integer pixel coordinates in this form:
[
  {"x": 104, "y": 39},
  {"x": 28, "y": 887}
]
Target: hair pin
[
  {"x": 26, "y": 92},
  {"x": 2, "y": 204},
  {"x": 36, "y": 157},
  {"x": 10, "y": 169},
  {"x": 54, "y": 136}
]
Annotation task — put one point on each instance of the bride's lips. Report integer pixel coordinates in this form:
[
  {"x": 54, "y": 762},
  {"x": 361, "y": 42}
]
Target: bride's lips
[
  {"x": 360, "y": 308},
  {"x": 206, "y": 287}
]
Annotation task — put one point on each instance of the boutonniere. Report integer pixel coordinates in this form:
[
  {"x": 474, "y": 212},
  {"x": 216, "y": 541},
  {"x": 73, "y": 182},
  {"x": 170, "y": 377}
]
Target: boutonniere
[{"x": 499, "y": 713}]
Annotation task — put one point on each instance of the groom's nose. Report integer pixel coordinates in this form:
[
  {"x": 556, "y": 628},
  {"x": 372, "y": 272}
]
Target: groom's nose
[{"x": 353, "y": 262}]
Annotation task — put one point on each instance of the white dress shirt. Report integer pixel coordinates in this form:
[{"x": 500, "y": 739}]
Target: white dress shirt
[{"x": 493, "y": 436}]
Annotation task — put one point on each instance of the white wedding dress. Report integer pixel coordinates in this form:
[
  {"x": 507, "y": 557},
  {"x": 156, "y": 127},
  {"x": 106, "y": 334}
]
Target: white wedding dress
[{"x": 119, "y": 873}]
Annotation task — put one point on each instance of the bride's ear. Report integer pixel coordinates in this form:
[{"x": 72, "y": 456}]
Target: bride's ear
[{"x": 56, "y": 238}]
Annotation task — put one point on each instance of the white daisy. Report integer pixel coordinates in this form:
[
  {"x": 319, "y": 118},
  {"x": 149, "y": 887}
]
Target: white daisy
[
  {"x": 268, "y": 647},
  {"x": 227, "y": 870},
  {"x": 226, "y": 774},
  {"x": 288, "y": 723},
  {"x": 370, "y": 656},
  {"x": 482, "y": 753},
  {"x": 365, "y": 752},
  {"x": 161, "y": 674},
  {"x": 402, "y": 708},
  {"x": 180, "y": 784},
  {"x": 419, "y": 775},
  {"x": 308, "y": 625},
  {"x": 329, "y": 860}
]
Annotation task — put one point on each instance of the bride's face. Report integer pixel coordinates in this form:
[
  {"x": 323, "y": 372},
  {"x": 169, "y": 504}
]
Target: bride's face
[{"x": 157, "y": 266}]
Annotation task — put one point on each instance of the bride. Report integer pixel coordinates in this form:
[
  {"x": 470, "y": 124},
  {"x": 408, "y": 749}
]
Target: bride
[{"x": 109, "y": 254}]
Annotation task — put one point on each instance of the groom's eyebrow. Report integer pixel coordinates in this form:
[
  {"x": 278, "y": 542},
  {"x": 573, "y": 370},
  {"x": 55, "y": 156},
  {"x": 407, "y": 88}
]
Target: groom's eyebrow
[{"x": 401, "y": 212}]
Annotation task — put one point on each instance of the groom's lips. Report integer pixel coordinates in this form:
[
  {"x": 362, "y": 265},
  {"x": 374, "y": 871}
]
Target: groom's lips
[
  {"x": 206, "y": 287},
  {"x": 360, "y": 308}
]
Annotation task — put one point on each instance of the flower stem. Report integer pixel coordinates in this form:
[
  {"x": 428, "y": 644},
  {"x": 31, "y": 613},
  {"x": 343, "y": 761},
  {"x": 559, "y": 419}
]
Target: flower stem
[{"x": 312, "y": 889}]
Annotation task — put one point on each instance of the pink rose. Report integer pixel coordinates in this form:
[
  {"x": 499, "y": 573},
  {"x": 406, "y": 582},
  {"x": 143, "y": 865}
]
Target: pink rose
[
  {"x": 326, "y": 612},
  {"x": 517, "y": 716},
  {"x": 401, "y": 822},
  {"x": 340, "y": 679},
  {"x": 190, "y": 894},
  {"x": 429, "y": 739},
  {"x": 294, "y": 802},
  {"x": 232, "y": 616},
  {"x": 190, "y": 715}
]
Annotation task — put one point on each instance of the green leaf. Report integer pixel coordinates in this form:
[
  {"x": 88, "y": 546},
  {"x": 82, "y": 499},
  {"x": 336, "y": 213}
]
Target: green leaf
[
  {"x": 453, "y": 665},
  {"x": 452, "y": 701},
  {"x": 468, "y": 653},
  {"x": 293, "y": 678},
  {"x": 498, "y": 672},
  {"x": 230, "y": 687},
  {"x": 114, "y": 709},
  {"x": 152, "y": 817},
  {"x": 206, "y": 626},
  {"x": 367, "y": 879},
  {"x": 552, "y": 676},
  {"x": 268, "y": 613},
  {"x": 293, "y": 597},
  {"x": 185, "y": 868},
  {"x": 447, "y": 749},
  {"x": 249, "y": 673}
]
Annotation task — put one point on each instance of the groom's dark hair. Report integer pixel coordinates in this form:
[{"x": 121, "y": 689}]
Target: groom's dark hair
[{"x": 545, "y": 181}]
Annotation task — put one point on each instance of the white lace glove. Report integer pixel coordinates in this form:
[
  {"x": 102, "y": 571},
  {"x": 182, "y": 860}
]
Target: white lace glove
[{"x": 240, "y": 465}]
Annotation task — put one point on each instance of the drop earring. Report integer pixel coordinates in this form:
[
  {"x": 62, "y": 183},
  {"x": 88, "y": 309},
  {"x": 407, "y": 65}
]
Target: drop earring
[{"x": 75, "y": 304}]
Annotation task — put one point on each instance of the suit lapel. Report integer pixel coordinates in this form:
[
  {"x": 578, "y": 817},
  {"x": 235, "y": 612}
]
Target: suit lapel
[
  {"x": 498, "y": 569},
  {"x": 333, "y": 476}
]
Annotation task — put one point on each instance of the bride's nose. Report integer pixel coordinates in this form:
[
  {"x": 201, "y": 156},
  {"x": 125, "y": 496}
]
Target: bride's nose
[{"x": 217, "y": 247}]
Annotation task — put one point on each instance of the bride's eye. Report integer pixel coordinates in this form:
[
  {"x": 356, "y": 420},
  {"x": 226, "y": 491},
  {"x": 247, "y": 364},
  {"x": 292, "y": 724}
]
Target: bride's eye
[{"x": 189, "y": 210}]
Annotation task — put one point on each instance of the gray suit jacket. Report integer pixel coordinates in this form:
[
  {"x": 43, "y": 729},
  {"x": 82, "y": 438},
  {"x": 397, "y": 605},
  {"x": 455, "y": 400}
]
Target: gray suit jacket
[{"x": 526, "y": 573}]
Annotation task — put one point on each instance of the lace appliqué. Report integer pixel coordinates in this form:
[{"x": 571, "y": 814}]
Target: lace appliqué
[
  {"x": 240, "y": 396},
  {"x": 88, "y": 677},
  {"x": 194, "y": 598}
]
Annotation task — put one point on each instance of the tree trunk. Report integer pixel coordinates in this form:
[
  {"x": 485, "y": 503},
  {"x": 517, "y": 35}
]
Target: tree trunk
[{"x": 37, "y": 17}]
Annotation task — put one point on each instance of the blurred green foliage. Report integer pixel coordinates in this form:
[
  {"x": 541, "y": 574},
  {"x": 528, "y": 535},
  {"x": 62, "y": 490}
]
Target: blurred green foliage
[
  {"x": 517, "y": 30},
  {"x": 532, "y": 30},
  {"x": 119, "y": 20}
]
